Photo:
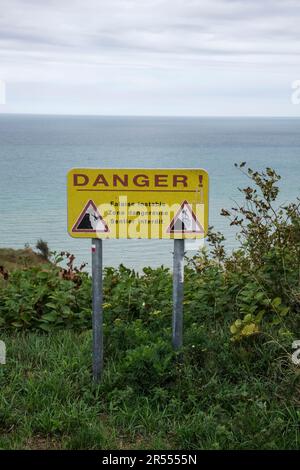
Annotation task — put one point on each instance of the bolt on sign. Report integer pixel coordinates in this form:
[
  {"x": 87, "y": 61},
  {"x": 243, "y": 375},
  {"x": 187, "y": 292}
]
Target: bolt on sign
[{"x": 138, "y": 203}]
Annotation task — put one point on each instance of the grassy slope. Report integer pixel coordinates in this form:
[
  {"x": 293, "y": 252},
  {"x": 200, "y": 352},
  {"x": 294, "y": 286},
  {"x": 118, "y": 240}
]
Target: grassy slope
[
  {"x": 12, "y": 259},
  {"x": 47, "y": 401}
]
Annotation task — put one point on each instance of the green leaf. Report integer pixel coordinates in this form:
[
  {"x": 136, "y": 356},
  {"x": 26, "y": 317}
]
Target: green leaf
[
  {"x": 260, "y": 316},
  {"x": 51, "y": 305},
  {"x": 276, "y": 302},
  {"x": 284, "y": 311},
  {"x": 247, "y": 318},
  {"x": 45, "y": 327},
  {"x": 259, "y": 296},
  {"x": 49, "y": 316},
  {"x": 250, "y": 329},
  {"x": 17, "y": 324}
]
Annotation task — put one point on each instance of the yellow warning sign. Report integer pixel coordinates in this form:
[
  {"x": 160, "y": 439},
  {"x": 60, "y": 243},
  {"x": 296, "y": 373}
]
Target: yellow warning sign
[{"x": 137, "y": 203}]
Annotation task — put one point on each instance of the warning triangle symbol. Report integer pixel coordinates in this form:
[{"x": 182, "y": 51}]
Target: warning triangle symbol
[
  {"x": 185, "y": 221},
  {"x": 90, "y": 220}
]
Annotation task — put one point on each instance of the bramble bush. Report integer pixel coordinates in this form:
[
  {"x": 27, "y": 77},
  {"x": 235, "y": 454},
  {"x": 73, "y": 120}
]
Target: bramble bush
[
  {"x": 46, "y": 298},
  {"x": 263, "y": 275}
]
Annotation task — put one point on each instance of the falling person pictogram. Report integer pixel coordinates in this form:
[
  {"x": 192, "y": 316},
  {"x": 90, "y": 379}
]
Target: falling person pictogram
[
  {"x": 185, "y": 221},
  {"x": 90, "y": 220}
]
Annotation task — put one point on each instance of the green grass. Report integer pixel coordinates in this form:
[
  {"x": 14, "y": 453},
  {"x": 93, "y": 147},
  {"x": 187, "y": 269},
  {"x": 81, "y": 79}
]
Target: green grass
[{"x": 49, "y": 402}]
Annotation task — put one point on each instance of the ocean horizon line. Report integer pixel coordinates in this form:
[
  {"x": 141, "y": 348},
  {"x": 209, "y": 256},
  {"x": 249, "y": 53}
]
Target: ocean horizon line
[{"x": 183, "y": 116}]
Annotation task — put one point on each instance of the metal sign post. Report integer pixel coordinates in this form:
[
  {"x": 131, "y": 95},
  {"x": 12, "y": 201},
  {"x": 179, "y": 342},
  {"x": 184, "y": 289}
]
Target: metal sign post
[
  {"x": 178, "y": 277},
  {"x": 97, "y": 264}
]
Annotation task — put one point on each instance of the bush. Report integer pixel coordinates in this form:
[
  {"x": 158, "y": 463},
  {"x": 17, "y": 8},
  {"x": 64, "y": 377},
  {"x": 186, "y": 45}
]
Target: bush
[
  {"x": 43, "y": 248},
  {"x": 262, "y": 277},
  {"x": 46, "y": 298}
]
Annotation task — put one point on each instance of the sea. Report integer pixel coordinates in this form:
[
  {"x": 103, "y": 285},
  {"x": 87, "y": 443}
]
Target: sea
[{"x": 36, "y": 152}]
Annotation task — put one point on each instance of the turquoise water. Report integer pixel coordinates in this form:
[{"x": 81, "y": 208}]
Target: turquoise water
[{"x": 37, "y": 151}]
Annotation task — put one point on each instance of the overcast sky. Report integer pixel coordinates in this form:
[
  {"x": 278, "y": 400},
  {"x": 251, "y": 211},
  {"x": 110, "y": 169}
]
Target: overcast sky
[{"x": 150, "y": 57}]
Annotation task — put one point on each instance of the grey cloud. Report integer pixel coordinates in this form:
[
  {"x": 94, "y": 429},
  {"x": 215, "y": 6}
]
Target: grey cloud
[
  {"x": 149, "y": 46},
  {"x": 165, "y": 26}
]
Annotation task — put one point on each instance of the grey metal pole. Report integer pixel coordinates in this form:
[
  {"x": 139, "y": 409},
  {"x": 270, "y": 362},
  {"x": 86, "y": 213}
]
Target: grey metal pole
[
  {"x": 97, "y": 309},
  {"x": 178, "y": 276}
]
